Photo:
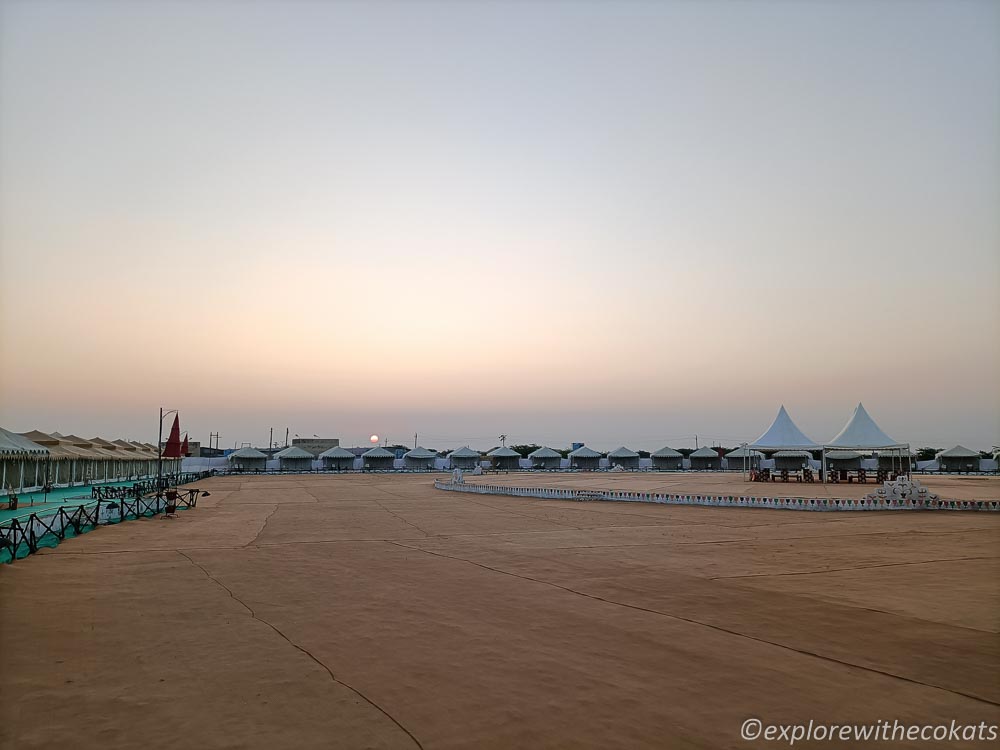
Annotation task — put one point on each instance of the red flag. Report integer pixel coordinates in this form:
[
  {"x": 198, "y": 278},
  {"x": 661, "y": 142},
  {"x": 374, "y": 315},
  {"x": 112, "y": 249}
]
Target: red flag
[
  {"x": 185, "y": 451},
  {"x": 173, "y": 447}
]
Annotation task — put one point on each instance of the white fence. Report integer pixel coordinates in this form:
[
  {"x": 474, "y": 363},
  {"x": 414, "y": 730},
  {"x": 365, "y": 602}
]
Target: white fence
[{"x": 887, "y": 497}]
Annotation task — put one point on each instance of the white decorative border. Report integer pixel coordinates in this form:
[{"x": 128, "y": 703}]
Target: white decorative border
[{"x": 873, "y": 501}]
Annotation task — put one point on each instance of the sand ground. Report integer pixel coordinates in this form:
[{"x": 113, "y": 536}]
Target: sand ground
[{"x": 374, "y": 611}]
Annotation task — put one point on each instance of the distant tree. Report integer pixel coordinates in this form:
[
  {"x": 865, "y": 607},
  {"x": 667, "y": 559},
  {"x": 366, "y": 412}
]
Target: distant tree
[
  {"x": 525, "y": 450},
  {"x": 564, "y": 452},
  {"x": 643, "y": 454},
  {"x": 927, "y": 454},
  {"x": 685, "y": 451}
]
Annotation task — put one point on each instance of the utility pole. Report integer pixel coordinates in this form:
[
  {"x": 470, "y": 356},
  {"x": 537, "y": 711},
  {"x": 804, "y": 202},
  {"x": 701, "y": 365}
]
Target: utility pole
[
  {"x": 696, "y": 442},
  {"x": 414, "y": 441},
  {"x": 270, "y": 441},
  {"x": 503, "y": 440}
]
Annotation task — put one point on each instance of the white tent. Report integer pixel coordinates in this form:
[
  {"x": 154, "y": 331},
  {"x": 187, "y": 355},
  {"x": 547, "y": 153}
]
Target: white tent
[
  {"x": 248, "y": 458},
  {"x": 705, "y": 458},
  {"x": 294, "y": 458},
  {"x": 584, "y": 458},
  {"x": 337, "y": 458},
  {"x": 419, "y": 458},
  {"x": 19, "y": 462},
  {"x": 464, "y": 458},
  {"x": 784, "y": 434},
  {"x": 958, "y": 458},
  {"x": 624, "y": 457},
  {"x": 545, "y": 458},
  {"x": 378, "y": 458},
  {"x": 505, "y": 458},
  {"x": 862, "y": 433},
  {"x": 667, "y": 458},
  {"x": 743, "y": 458}
]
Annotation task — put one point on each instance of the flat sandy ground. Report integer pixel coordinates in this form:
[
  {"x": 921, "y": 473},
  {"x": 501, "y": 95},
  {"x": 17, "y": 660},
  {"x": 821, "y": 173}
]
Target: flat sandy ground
[{"x": 374, "y": 611}]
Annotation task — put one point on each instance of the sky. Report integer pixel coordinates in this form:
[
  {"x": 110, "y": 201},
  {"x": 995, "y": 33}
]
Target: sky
[{"x": 618, "y": 223}]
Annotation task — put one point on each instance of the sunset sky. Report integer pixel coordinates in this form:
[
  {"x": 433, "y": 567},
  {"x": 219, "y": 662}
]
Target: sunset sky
[{"x": 594, "y": 221}]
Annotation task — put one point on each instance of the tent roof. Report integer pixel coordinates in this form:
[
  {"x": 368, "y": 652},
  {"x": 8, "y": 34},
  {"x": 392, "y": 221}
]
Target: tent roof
[
  {"x": 784, "y": 433},
  {"x": 959, "y": 451},
  {"x": 125, "y": 445},
  {"x": 545, "y": 452},
  {"x": 12, "y": 444},
  {"x": 862, "y": 432},
  {"x": 666, "y": 452},
  {"x": 503, "y": 452},
  {"x": 465, "y": 452},
  {"x": 247, "y": 453},
  {"x": 293, "y": 451},
  {"x": 336, "y": 452},
  {"x": 584, "y": 452},
  {"x": 378, "y": 452},
  {"x": 420, "y": 452},
  {"x": 623, "y": 452},
  {"x": 793, "y": 454},
  {"x": 741, "y": 452},
  {"x": 705, "y": 452}
]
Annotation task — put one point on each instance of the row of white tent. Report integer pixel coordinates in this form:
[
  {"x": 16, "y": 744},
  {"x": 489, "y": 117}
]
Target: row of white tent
[{"x": 861, "y": 444}]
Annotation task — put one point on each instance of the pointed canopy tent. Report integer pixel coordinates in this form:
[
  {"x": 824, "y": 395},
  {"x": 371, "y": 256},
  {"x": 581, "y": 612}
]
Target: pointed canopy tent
[
  {"x": 378, "y": 458},
  {"x": 337, "y": 459},
  {"x": 743, "y": 458},
  {"x": 22, "y": 462},
  {"x": 861, "y": 433},
  {"x": 505, "y": 458},
  {"x": 667, "y": 459},
  {"x": 464, "y": 458},
  {"x": 294, "y": 458},
  {"x": 706, "y": 459},
  {"x": 784, "y": 434},
  {"x": 958, "y": 458},
  {"x": 185, "y": 449},
  {"x": 624, "y": 457},
  {"x": 584, "y": 458},
  {"x": 419, "y": 458},
  {"x": 545, "y": 458}
]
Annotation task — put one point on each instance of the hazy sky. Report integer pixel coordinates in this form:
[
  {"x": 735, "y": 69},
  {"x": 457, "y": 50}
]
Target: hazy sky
[{"x": 604, "y": 221}]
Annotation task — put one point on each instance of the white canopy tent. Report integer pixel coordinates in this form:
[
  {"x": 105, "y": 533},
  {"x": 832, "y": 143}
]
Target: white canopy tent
[
  {"x": 862, "y": 433},
  {"x": 784, "y": 435}
]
